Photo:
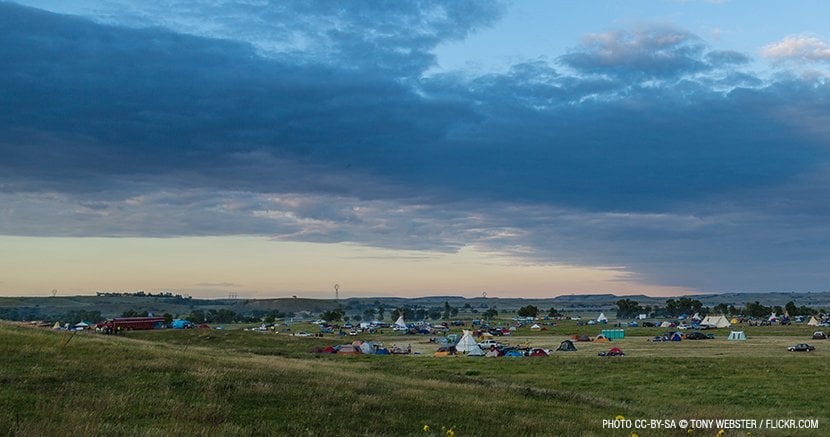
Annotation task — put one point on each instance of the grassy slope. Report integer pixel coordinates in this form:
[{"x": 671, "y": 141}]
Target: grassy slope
[{"x": 236, "y": 382}]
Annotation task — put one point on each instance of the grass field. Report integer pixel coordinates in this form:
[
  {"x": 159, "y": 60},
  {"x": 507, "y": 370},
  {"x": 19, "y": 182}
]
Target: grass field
[{"x": 234, "y": 382}]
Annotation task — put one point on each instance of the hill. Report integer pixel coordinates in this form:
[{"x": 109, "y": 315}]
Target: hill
[{"x": 61, "y": 307}]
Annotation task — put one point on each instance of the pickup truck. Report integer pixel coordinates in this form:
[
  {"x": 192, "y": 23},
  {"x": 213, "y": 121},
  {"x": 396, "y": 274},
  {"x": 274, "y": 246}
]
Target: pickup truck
[{"x": 487, "y": 344}]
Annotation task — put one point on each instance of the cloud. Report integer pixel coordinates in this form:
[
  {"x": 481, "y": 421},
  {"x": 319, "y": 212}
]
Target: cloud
[
  {"x": 804, "y": 47},
  {"x": 642, "y": 149},
  {"x": 647, "y": 52},
  {"x": 393, "y": 36}
]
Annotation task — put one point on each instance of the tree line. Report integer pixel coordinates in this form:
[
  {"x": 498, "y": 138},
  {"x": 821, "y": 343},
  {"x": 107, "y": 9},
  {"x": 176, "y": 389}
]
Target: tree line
[{"x": 629, "y": 309}]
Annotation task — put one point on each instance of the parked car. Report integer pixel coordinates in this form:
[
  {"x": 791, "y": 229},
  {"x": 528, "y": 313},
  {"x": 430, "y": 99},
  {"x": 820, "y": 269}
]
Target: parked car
[
  {"x": 801, "y": 347},
  {"x": 696, "y": 336},
  {"x": 303, "y": 334}
]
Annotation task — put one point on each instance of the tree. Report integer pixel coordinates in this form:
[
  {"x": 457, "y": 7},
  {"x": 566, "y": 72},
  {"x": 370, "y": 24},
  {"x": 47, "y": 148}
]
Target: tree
[
  {"x": 381, "y": 309},
  {"x": 721, "y": 308},
  {"x": 369, "y": 314},
  {"x": 684, "y": 305},
  {"x": 755, "y": 309},
  {"x": 447, "y": 309},
  {"x": 490, "y": 314},
  {"x": 332, "y": 315},
  {"x": 528, "y": 311},
  {"x": 553, "y": 312},
  {"x": 628, "y": 309},
  {"x": 791, "y": 309}
]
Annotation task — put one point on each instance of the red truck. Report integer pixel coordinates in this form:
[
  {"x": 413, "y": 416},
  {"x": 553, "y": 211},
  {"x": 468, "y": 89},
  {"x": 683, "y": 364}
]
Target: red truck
[{"x": 132, "y": 323}]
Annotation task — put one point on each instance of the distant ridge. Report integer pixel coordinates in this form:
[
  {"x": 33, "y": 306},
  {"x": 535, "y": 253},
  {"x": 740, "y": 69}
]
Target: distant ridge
[{"x": 110, "y": 306}]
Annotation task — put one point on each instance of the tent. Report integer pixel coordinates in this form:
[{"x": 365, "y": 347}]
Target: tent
[
  {"x": 581, "y": 338},
  {"x": 538, "y": 352},
  {"x": 675, "y": 337},
  {"x": 566, "y": 346},
  {"x": 602, "y": 318},
  {"x": 348, "y": 349},
  {"x": 445, "y": 351},
  {"x": 813, "y": 321},
  {"x": 57, "y": 326},
  {"x": 665, "y": 324},
  {"x": 773, "y": 317},
  {"x": 475, "y": 352},
  {"x": 737, "y": 335},
  {"x": 492, "y": 353},
  {"x": 696, "y": 317},
  {"x": 535, "y": 327},
  {"x": 601, "y": 339},
  {"x": 734, "y": 321},
  {"x": 367, "y": 348},
  {"x": 400, "y": 324},
  {"x": 716, "y": 321},
  {"x": 467, "y": 343}
]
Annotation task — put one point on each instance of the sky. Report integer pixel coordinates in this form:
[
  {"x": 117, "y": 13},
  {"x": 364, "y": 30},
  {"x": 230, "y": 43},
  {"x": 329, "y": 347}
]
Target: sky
[{"x": 514, "y": 148}]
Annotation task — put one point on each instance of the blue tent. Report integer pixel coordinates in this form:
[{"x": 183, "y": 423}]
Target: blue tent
[
  {"x": 181, "y": 324},
  {"x": 675, "y": 337}
]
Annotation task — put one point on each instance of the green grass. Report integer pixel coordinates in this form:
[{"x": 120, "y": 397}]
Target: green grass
[{"x": 208, "y": 382}]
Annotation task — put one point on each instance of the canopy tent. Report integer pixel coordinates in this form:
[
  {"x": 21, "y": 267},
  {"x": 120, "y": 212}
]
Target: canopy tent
[
  {"x": 737, "y": 336},
  {"x": 716, "y": 321},
  {"x": 601, "y": 318},
  {"x": 467, "y": 343},
  {"x": 566, "y": 346}
]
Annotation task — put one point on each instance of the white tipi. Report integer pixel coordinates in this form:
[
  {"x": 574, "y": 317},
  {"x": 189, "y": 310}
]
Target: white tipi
[
  {"x": 602, "y": 318},
  {"x": 400, "y": 324},
  {"x": 467, "y": 343}
]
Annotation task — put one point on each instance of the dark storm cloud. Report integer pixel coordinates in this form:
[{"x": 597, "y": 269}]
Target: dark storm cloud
[{"x": 640, "y": 149}]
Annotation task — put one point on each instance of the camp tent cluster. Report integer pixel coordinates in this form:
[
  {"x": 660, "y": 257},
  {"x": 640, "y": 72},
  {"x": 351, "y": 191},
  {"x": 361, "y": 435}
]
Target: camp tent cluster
[{"x": 716, "y": 321}]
